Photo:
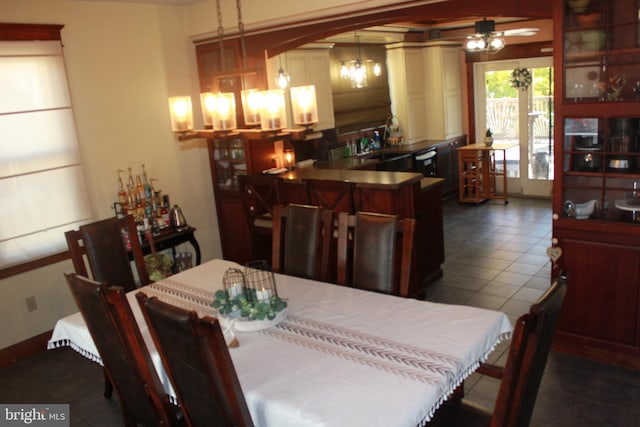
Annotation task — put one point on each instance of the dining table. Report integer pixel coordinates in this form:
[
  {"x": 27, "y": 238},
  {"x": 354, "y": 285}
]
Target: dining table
[{"x": 340, "y": 357}]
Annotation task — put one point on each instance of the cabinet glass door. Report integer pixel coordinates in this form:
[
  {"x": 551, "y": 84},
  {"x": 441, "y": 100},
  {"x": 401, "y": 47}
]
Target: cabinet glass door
[
  {"x": 601, "y": 51},
  {"x": 230, "y": 162},
  {"x": 602, "y": 168}
]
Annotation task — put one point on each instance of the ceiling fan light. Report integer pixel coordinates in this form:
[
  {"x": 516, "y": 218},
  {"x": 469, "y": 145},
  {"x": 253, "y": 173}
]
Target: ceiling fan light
[{"x": 497, "y": 43}]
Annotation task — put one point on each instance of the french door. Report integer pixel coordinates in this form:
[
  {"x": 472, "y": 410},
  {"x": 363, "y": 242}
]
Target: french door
[{"x": 520, "y": 117}]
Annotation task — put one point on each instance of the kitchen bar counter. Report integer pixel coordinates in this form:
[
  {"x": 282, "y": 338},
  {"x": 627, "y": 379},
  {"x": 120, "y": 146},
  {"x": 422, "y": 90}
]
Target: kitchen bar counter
[{"x": 362, "y": 178}]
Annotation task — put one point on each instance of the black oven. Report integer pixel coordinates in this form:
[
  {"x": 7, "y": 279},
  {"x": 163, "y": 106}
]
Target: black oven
[{"x": 426, "y": 162}]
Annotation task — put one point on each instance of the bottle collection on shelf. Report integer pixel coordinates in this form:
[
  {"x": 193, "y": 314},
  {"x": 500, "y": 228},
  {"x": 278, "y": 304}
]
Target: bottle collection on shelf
[{"x": 148, "y": 206}]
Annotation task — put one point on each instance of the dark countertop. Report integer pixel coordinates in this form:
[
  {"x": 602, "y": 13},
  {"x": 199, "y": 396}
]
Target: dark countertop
[
  {"x": 347, "y": 169},
  {"x": 363, "y": 178}
]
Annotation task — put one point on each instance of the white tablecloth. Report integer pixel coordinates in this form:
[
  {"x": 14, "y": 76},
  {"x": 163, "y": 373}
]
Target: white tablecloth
[{"x": 343, "y": 357}]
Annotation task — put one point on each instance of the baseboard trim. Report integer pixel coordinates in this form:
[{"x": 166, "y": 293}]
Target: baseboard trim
[{"x": 24, "y": 349}]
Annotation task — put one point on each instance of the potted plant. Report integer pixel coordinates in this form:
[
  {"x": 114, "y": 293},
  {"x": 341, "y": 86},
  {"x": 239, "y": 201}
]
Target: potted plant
[{"x": 488, "y": 138}]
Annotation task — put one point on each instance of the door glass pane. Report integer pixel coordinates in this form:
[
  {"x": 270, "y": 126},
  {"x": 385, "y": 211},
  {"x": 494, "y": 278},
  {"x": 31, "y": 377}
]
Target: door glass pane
[
  {"x": 540, "y": 129},
  {"x": 502, "y": 117}
]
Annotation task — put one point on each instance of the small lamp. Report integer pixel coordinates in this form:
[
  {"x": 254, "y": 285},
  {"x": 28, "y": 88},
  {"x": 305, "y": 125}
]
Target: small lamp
[
  {"x": 251, "y": 104},
  {"x": 181, "y": 113},
  {"x": 272, "y": 112},
  {"x": 207, "y": 101},
  {"x": 224, "y": 112},
  {"x": 289, "y": 158},
  {"x": 304, "y": 105}
]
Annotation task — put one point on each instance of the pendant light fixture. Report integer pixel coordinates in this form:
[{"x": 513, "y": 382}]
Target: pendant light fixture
[
  {"x": 359, "y": 71},
  {"x": 264, "y": 109},
  {"x": 282, "y": 79}
]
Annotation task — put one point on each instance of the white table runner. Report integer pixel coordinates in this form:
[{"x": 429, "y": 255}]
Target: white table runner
[{"x": 343, "y": 357}]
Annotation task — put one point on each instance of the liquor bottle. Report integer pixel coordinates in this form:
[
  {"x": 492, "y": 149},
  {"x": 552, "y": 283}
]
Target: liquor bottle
[
  {"x": 139, "y": 188},
  {"x": 148, "y": 189},
  {"x": 164, "y": 211},
  {"x": 123, "y": 198},
  {"x": 130, "y": 184},
  {"x": 131, "y": 201}
]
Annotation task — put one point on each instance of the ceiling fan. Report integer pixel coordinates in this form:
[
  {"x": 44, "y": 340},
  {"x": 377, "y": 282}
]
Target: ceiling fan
[{"x": 486, "y": 38}]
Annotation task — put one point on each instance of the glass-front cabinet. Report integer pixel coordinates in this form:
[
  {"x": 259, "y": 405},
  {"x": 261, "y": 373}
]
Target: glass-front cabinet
[
  {"x": 596, "y": 195},
  {"x": 601, "y": 51},
  {"x": 601, "y": 168},
  {"x": 600, "y": 111},
  {"x": 230, "y": 162}
]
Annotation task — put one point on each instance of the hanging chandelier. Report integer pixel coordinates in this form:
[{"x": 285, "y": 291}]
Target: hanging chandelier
[
  {"x": 356, "y": 69},
  {"x": 262, "y": 108}
]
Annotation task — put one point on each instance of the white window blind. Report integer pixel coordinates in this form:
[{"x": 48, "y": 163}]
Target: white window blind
[{"x": 42, "y": 187}]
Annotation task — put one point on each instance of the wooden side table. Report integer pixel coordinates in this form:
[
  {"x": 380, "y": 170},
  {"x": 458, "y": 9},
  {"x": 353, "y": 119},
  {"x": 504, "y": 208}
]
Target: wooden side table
[{"x": 478, "y": 173}]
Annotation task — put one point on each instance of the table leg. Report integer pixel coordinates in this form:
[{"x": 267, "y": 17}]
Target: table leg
[
  {"x": 108, "y": 387},
  {"x": 196, "y": 247}
]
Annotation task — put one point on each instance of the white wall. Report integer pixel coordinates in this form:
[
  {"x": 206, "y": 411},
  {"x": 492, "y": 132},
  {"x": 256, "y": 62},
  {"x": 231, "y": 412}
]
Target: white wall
[{"x": 123, "y": 61}]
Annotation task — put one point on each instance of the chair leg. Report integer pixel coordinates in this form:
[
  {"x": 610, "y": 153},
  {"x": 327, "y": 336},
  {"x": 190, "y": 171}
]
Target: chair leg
[
  {"x": 458, "y": 393},
  {"x": 108, "y": 387}
]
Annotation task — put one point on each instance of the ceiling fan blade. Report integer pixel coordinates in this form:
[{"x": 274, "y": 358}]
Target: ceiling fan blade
[{"x": 520, "y": 32}]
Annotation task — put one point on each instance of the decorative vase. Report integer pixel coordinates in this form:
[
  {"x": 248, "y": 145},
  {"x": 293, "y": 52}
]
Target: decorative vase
[{"x": 488, "y": 141}]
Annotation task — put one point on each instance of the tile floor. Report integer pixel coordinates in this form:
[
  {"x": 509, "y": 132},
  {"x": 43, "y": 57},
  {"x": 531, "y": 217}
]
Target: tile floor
[{"x": 495, "y": 258}]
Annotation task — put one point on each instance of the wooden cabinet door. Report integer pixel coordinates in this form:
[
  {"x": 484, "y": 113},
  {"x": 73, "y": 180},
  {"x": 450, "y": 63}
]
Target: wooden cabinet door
[{"x": 602, "y": 296}]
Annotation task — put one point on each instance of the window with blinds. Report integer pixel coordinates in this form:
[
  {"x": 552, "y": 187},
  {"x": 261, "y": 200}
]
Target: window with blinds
[{"x": 42, "y": 186}]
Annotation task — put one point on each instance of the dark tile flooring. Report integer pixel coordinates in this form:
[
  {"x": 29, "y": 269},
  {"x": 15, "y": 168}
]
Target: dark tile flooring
[{"x": 495, "y": 258}]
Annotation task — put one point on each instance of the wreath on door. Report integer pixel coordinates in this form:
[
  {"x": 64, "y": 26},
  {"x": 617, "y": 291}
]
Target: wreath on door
[{"x": 521, "y": 78}]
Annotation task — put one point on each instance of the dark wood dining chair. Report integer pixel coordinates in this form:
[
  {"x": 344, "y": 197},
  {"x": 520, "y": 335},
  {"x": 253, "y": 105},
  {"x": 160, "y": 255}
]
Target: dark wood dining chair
[
  {"x": 375, "y": 252},
  {"x": 259, "y": 195},
  {"x": 104, "y": 246},
  {"x": 522, "y": 374},
  {"x": 123, "y": 352},
  {"x": 196, "y": 358},
  {"x": 301, "y": 241},
  {"x": 333, "y": 195},
  {"x": 293, "y": 191}
]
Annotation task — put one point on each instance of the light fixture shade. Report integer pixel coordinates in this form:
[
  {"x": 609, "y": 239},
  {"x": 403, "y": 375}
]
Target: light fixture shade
[
  {"x": 289, "y": 158},
  {"x": 377, "y": 69},
  {"x": 251, "y": 105},
  {"x": 344, "y": 71},
  {"x": 207, "y": 101},
  {"x": 282, "y": 79},
  {"x": 304, "y": 105},
  {"x": 487, "y": 43},
  {"x": 224, "y": 112},
  {"x": 272, "y": 113},
  {"x": 181, "y": 113},
  {"x": 359, "y": 75}
]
